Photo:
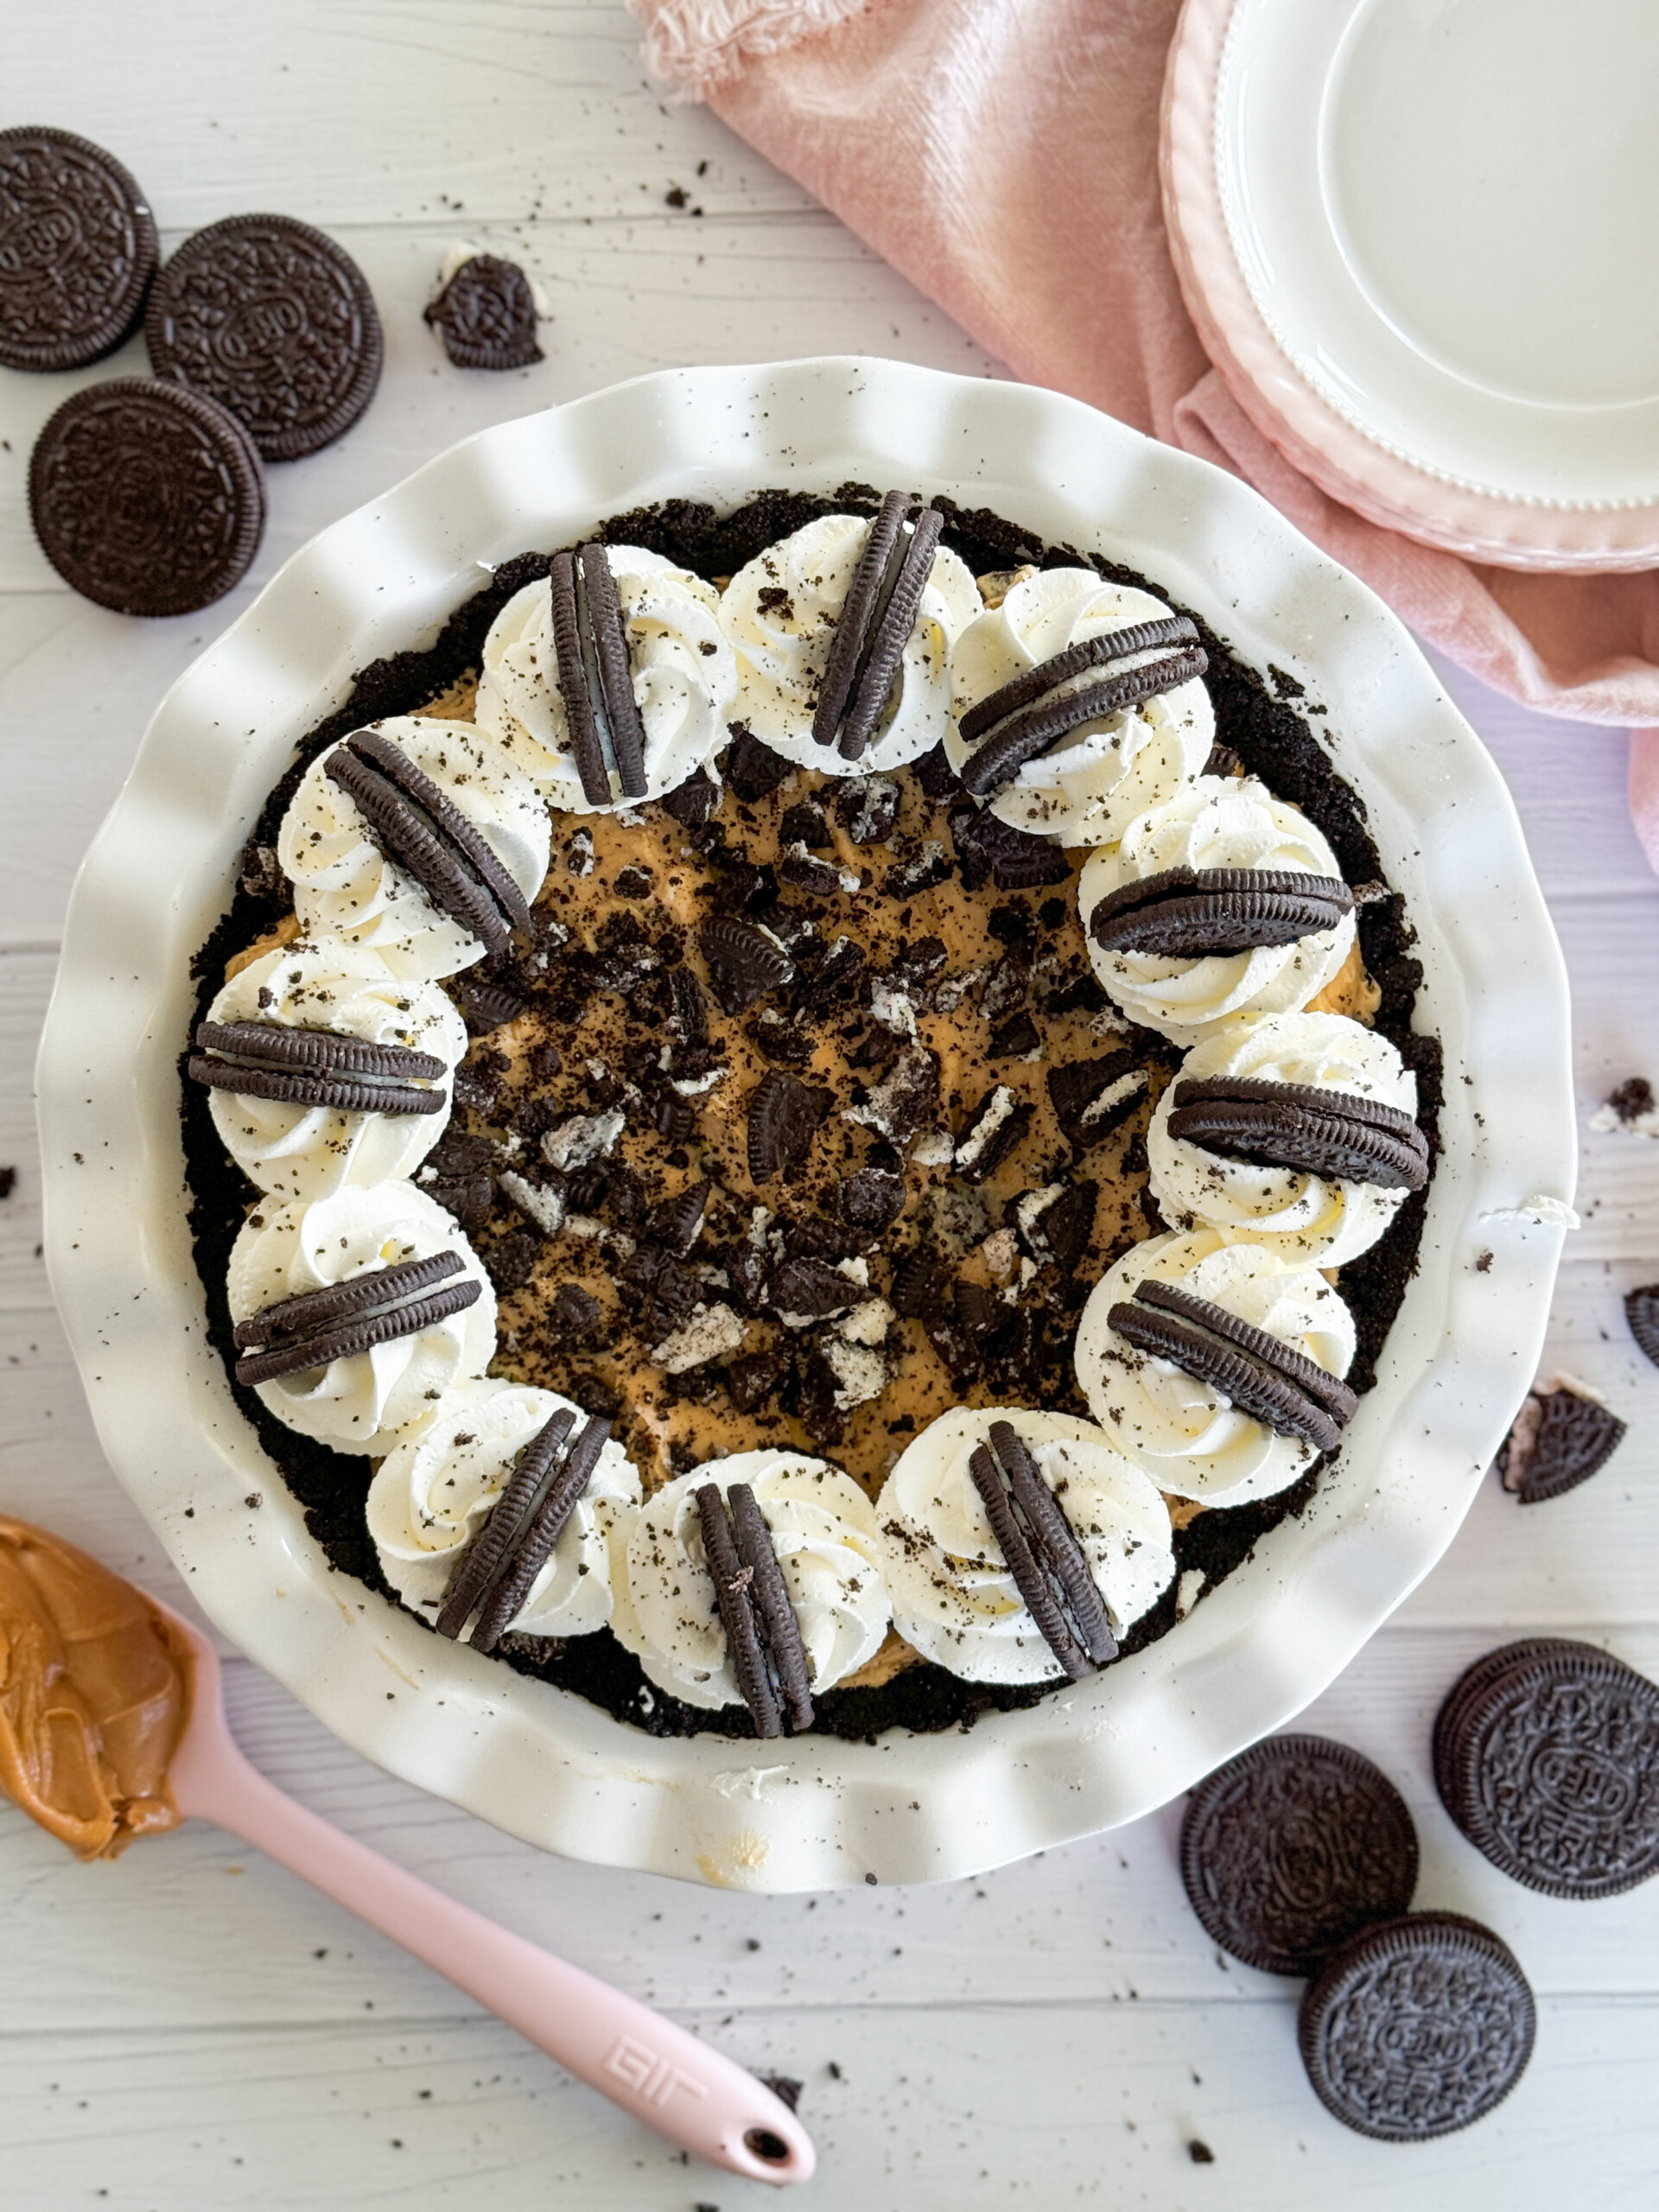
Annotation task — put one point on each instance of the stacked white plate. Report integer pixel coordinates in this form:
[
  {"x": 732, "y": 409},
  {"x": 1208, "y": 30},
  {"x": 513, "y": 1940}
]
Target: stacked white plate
[{"x": 1415, "y": 238}]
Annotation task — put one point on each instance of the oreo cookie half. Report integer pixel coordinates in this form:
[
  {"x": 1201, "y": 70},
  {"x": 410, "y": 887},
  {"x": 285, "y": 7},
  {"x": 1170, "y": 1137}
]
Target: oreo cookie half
[
  {"x": 1559, "y": 1439},
  {"x": 1187, "y": 913},
  {"x": 485, "y": 1559},
  {"x": 1546, "y": 1757},
  {"x": 595, "y": 674},
  {"x": 1267, "y": 1379},
  {"x": 77, "y": 250},
  {"x": 486, "y": 315},
  {"x": 545, "y": 1524},
  {"x": 315, "y": 1067},
  {"x": 875, "y": 623},
  {"x": 1292, "y": 1848},
  {"x": 1642, "y": 1311},
  {"x": 1042, "y": 1552},
  {"x": 146, "y": 498},
  {"x": 422, "y": 829},
  {"x": 762, "y": 1634},
  {"x": 275, "y": 321},
  {"x": 1024, "y": 718},
  {"x": 320, "y": 1326},
  {"x": 1334, "y": 1133},
  {"x": 1419, "y": 2027}
]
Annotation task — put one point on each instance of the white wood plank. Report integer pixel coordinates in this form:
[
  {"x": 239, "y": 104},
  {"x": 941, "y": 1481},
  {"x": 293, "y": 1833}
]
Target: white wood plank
[
  {"x": 966, "y": 2108},
  {"x": 371, "y": 112}
]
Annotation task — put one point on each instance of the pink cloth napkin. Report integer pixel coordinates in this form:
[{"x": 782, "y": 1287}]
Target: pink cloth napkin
[{"x": 1003, "y": 155}]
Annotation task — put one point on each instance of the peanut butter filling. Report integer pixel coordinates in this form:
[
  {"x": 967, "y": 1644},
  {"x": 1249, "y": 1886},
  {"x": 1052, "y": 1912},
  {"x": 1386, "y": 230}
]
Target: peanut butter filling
[{"x": 94, "y": 1694}]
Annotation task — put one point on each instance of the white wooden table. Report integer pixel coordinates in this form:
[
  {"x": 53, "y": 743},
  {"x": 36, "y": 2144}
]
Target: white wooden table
[{"x": 192, "y": 2031}]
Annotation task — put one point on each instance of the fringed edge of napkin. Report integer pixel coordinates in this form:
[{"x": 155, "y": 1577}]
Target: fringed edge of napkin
[{"x": 700, "y": 44}]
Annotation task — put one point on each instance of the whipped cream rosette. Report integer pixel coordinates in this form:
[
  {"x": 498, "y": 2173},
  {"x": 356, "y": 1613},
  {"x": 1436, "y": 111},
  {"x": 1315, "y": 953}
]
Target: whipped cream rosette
[
  {"x": 432, "y": 1496},
  {"x": 1303, "y": 1136},
  {"x": 782, "y": 611},
  {"x": 1223, "y": 901},
  {"x": 428, "y": 853},
  {"x": 680, "y": 668},
  {"x": 289, "y": 1131},
  {"x": 955, "y": 1596},
  {"x": 1216, "y": 1366},
  {"x": 1048, "y": 652},
  {"x": 356, "y": 1312},
  {"x": 825, "y": 1534}
]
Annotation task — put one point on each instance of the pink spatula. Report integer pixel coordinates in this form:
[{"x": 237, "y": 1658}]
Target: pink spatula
[{"x": 662, "y": 2074}]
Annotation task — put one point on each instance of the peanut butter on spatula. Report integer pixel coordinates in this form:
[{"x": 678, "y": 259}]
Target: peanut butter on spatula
[{"x": 94, "y": 1694}]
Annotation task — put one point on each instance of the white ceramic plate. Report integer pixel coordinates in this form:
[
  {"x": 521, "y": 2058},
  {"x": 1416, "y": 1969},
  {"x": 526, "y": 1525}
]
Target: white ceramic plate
[
  {"x": 812, "y": 1813},
  {"x": 1416, "y": 226}
]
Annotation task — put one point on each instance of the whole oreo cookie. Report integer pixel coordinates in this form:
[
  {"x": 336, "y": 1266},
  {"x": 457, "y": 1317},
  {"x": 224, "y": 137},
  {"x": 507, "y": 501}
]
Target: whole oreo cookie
[
  {"x": 1419, "y": 2027},
  {"x": 275, "y": 321},
  {"x": 146, "y": 498},
  {"x": 1292, "y": 1848},
  {"x": 486, "y": 316},
  {"x": 77, "y": 250},
  {"x": 1546, "y": 1757}
]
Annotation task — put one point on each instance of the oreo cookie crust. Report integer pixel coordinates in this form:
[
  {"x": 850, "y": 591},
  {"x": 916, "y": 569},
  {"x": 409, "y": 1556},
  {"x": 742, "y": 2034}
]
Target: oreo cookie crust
[
  {"x": 1546, "y": 1757},
  {"x": 146, "y": 498},
  {"x": 1291, "y": 1849},
  {"x": 276, "y": 322},
  {"x": 77, "y": 250},
  {"x": 729, "y": 842},
  {"x": 1420, "y": 2027}
]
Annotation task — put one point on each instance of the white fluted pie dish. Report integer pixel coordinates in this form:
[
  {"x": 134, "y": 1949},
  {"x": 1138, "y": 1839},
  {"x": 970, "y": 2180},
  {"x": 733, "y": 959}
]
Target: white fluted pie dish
[{"x": 813, "y": 1811}]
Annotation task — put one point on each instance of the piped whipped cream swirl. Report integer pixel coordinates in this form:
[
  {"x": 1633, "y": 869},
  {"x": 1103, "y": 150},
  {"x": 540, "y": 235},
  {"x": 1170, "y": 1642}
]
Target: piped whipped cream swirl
[
  {"x": 345, "y": 886},
  {"x": 954, "y": 1596},
  {"x": 295, "y": 1151},
  {"x": 371, "y": 1400},
  {"x": 684, "y": 679},
  {"x": 1190, "y": 1441},
  {"x": 779, "y": 612},
  {"x": 1091, "y": 786},
  {"x": 432, "y": 1496},
  {"x": 1217, "y": 821},
  {"x": 825, "y": 1532},
  {"x": 1306, "y": 1218}
]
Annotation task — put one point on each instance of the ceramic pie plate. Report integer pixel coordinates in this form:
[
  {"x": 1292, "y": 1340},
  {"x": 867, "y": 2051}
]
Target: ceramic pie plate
[
  {"x": 814, "y": 1812},
  {"x": 1403, "y": 232}
]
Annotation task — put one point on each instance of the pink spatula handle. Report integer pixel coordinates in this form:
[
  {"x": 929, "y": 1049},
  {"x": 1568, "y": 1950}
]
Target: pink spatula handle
[{"x": 705, "y": 2102}]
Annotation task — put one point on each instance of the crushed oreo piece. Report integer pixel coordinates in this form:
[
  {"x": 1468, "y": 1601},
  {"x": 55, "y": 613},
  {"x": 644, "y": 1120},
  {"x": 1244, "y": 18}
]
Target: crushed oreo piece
[
  {"x": 485, "y": 1005},
  {"x": 992, "y": 850},
  {"x": 1189, "y": 913},
  {"x": 921, "y": 1287},
  {"x": 1016, "y": 1038},
  {"x": 993, "y": 1129},
  {"x": 1559, "y": 1439},
  {"x": 929, "y": 865},
  {"x": 812, "y": 1287},
  {"x": 867, "y": 808},
  {"x": 753, "y": 769},
  {"x": 933, "y": 771},
  {"x": 678, "y": 1223},
  {"x": 690, "y": 1017},
  {"x": 805, "y": 824},
  {"x": 754, "y": 1380},
  {"x": 1059, "y": 1230},
  {"x": 574, "y": 1315},
  {"x": 744, "y": 961},
  {"x": 694, "y": 802},
  {"x": 802, "y": 871},
  {"x": 906, "y": 1101},
  {"x": 1091, "y": 1098},
  {"x": 783, "y": 1114},
  {"x": 872, "y": 1199}
]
